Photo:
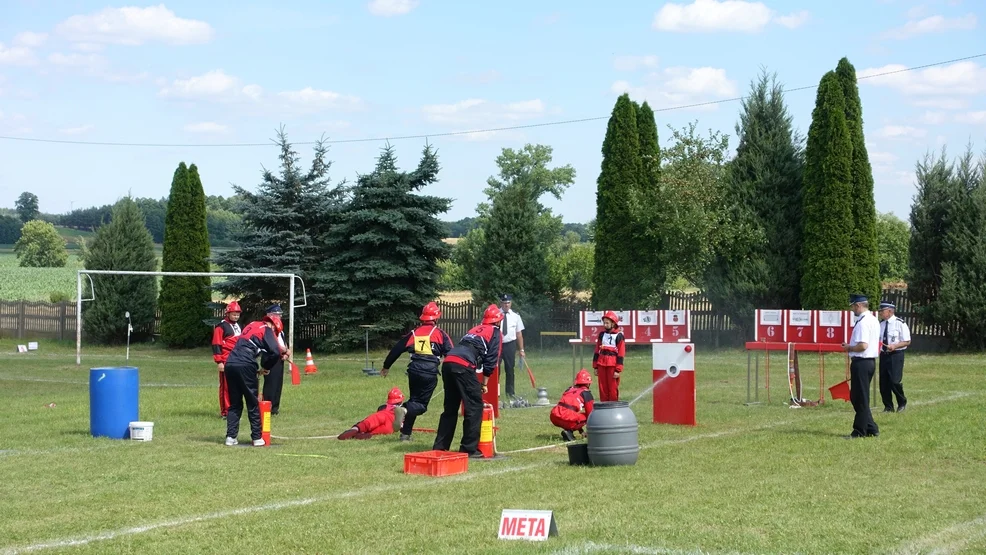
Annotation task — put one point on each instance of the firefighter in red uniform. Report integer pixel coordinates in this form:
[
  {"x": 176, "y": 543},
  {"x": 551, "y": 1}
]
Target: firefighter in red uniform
[
  {"x": 258, "y": 338},
  {"x": 574, "y": 407},
  {"x": 427, "y": 344},
  {"x": 386, "y": 420},
  {"x": 479, "y": 348},
  {"x": 608, "y": 358},
  {"x": 224, "y": 336}
]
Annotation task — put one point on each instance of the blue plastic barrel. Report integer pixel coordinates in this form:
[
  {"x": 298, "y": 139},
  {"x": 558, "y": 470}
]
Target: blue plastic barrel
[{"x": 113, "y": 401}]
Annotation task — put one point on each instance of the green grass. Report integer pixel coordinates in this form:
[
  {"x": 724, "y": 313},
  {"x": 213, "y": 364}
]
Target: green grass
[{"x": 751, "y": 479}]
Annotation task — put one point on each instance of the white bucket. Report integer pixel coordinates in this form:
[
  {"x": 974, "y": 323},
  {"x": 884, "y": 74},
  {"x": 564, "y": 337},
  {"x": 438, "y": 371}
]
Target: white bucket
[{"x": 141, "y": 431}]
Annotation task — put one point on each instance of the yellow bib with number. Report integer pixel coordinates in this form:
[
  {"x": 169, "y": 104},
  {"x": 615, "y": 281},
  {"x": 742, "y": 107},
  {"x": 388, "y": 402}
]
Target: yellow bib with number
[{"x": 422, "y": 343}]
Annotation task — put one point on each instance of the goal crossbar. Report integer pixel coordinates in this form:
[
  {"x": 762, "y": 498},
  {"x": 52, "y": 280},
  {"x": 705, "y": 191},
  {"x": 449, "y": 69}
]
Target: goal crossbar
[{"x": 89, "y": 273}]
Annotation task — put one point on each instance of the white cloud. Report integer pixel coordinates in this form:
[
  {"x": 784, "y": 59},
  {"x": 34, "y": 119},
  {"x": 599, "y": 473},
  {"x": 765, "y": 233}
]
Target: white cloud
[
  {"x": 309, "y": 100},
  {"x": 76, "y": 130},
  {"x": 726, "y": 15},
  {"x": 933, "y": 24},
  {"x": 681, "y": 86},
  {"x": 388, "y": 8},
  {"x": 93, "y": 65},
  {"x": 794, "y": 20},
  {"x": 16, "y": 56},
  {"x": 901, "y": 132},
  {"x": 942, "y": 103},
  {"x": 206, "y": 127},
  {"x": 633, "y": 63},
  {"x": 878, "y": 158},
  {"x": 29, "y": 39},
  {"x": 134, "y": 26},
  {"x": 933, "y": 118},
  {"x": 917, "y": 11},
  {"x": 214, "y": 85},
  {"x": 937, "y": 86},
  {"x": 476, "y": 112},
  {"x": 972, "y": 117}
]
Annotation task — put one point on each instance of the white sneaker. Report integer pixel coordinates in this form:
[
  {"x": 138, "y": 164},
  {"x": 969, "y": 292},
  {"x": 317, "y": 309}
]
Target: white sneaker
[
  {"x": 231, "y": 441},
  {"x": 259, "y": 442}
]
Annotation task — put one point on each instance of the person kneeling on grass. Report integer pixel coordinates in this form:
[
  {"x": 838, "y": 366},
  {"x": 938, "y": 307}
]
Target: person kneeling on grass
[
  {"x": 568, "y": 413},
  {"x": 386, "y": 420}
]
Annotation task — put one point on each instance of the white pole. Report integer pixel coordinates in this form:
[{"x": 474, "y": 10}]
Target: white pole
[
  {"x": 291, "y": 319},
  {"x": 78, "y": 318}
]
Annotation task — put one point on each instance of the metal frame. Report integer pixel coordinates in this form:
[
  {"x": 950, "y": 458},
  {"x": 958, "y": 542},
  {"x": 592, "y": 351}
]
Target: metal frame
[{"x": 89, "y": 273}]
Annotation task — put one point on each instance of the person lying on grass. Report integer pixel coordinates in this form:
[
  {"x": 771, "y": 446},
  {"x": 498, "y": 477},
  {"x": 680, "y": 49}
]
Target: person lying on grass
[{"x": 387, "y": 420}]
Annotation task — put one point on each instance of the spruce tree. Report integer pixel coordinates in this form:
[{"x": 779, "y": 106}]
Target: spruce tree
[
  {"x": 827, "y": 255},
  {"x": 931, "y": 219},
  {"x": 615, "y": 286},
  {"x": 185, "y": 300},
  {"x": 282, "y": 231},
  {"x": 122, "y": 244},
  {"x": 865, "y": 274},
  {"x": 382, "y": 262},
  {"x": 759, "y": 263}
]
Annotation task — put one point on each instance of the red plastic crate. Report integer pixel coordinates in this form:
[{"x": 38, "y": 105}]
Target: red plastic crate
[{"x": 436, "y": 463}]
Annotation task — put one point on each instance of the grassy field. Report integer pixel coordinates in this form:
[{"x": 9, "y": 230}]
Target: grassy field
[{"x": 747, "y": 479}]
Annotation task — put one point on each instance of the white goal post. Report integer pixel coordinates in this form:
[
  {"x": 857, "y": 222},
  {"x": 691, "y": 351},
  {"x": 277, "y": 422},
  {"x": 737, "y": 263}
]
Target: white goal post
[{"x": 89, "y": 273}]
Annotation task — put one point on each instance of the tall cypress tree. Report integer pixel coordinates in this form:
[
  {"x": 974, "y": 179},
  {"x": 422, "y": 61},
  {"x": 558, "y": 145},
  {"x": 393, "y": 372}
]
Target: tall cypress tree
[
  {"x": 759, "y": 265},
  {"x": 865, "y": 274},
  {"x": 284, "y": 223},
  {"x": 615, "y": 285},
  {"x": 122, "y": 244},
  {"x": 185, "y": 300},
  {"x": 650, "y": 272},
  {"x": 827, "y": 255},
  {"x": 382, "y": 258}
]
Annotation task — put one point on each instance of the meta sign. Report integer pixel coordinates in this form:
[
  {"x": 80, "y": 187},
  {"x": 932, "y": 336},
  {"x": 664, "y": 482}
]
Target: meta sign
[
  {"x": 800, "y": 326},
  {"x": 527, "y": 525},
  {"x": 592, "y": 324},
  {"x": 833, "y": 326}
]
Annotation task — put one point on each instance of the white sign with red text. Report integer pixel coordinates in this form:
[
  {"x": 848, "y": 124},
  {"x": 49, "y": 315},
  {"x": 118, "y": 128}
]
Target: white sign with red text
[{"x": 527, "y": 525}]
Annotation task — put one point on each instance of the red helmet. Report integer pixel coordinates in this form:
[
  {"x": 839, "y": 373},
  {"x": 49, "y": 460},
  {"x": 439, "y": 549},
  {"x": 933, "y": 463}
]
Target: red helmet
[
  {"x": 612, "y": 316},
  {"x": 583, "y": 378},
  {"x": 395, "y": 397},
  {"x": 276, "y": 321},
  {"x": 492, "y": 315},
  {"x": 233, "y": 307},
  {"x": 430, "y": 312}
]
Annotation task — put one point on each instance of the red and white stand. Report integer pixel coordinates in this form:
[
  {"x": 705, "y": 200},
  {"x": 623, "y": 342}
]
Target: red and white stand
[{"x": 674, "y": 378}]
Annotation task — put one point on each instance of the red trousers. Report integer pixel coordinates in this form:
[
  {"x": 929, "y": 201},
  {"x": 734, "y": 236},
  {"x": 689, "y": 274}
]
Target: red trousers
[
  {"x": 609, "y": 387},
  {"x": 378, "y": 423},
  {"x": 567, "y": 419},
  {"x": 223, "y": 394}
]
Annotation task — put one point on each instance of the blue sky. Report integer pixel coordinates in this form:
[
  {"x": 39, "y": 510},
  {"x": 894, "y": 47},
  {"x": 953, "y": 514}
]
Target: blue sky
[{"x": 201, "y": 73}]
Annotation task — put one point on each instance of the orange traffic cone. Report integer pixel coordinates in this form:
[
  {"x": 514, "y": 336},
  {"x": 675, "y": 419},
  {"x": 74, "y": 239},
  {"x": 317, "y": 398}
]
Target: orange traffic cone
[
  {"x": 309, "y": 363},
  {"x": 486, "y": 433},
  {"x": 295, "y": 374}
]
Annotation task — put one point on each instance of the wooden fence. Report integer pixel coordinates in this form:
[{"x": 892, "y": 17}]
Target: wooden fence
[{"x": 32, "y": 320}]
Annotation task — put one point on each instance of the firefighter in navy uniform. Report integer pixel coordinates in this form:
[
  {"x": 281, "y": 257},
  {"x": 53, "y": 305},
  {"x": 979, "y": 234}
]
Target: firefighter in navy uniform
[
  {"x": 427, "y": 344},
  {"x": 257, "y": 339},
  {"x": 608, "y": 358},
  {"x": 574, "y": 407},
  {"x": 224, "y": 336},
  {"x": 274, "y": 380},
  {"x": 479, "y": 350}
]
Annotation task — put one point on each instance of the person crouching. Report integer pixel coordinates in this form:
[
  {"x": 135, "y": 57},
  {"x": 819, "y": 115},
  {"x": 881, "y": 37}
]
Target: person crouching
[
  {"x": 574, "y": 407},
  {"x": 258, "y": 338},
  {"x": 387, "y": 420}
]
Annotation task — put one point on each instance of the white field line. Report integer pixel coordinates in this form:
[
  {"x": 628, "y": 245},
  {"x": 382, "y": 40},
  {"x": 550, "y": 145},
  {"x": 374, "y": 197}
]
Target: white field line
[
  {"x": 713, "y": 435},
  {"x": 178, "y": 522},
  {"x": 949, "y": 540},
  {"x": 84, "y": 540},
  {"x": 76, "y": 382},
  {"x": 586, "y": 548}
]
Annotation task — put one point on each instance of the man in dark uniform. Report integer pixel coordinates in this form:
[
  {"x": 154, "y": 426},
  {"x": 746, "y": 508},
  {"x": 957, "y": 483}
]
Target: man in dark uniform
[
  {"x": 274, "y": 381},
  {"x": 478, "y": 349},
  {"x": 895, "y": 336}
]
